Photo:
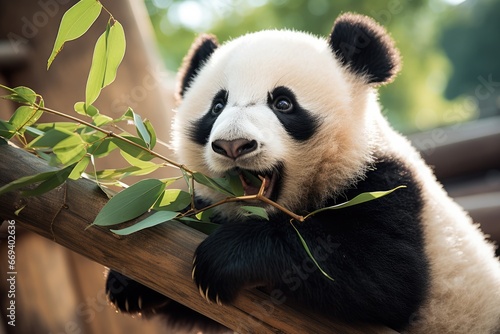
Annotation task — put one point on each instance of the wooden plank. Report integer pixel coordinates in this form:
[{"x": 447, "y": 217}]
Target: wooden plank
[
  {"x": 159, "y": 257},
  {"x": 461, "y": 149}
]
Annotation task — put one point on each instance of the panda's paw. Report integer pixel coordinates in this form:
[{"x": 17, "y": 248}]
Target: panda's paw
[
  {"x": 130, "y": 296},
  {"x": 215, "y": 280}
]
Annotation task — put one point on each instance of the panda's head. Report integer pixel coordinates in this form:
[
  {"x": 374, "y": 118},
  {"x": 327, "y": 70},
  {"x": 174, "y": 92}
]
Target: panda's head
[{"x": 299, "y": 110}]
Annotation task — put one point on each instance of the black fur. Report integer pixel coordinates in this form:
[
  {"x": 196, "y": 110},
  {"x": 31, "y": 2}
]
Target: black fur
[
  {"x": 200, "y": 52},
  {"x": 365, "y": 47},
  {"x": 298, "y": 122},
  {"x": 374, "y": 251},
  {"x": 200, "y": 129},
  {"x": 125, "y": 291}
]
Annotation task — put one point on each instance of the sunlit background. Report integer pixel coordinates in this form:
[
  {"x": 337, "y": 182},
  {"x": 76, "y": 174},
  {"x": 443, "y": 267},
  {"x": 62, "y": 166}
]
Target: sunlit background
[{"x": 450, "y": 48}]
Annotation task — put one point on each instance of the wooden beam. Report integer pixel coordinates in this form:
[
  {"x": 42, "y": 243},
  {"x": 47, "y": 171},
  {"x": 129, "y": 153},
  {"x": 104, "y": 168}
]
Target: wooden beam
[
  {"x": 461, "y": 149},
  {"x": 158, "y": 257}
]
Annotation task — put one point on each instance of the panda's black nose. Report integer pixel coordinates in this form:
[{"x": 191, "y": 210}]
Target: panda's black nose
[{"x": 234, "y": 148}]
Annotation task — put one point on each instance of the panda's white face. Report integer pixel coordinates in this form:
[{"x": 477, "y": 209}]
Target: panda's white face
[{"x": 279, "y": 104}]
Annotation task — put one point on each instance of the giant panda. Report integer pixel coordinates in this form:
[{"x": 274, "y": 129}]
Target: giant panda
[{"x": 302, "y": 113}]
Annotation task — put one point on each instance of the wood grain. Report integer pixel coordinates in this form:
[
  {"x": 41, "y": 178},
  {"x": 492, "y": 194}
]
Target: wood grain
[{"x": 158, "y": 257}]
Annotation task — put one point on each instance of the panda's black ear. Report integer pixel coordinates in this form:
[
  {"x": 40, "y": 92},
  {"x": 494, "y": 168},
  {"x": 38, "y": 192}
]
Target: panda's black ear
[
  {"x": 365, "y": 48},
  {"x": 201, "y": 50}
]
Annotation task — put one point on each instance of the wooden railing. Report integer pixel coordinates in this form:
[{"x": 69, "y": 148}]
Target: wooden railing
[{"x": 466, "y": 159}]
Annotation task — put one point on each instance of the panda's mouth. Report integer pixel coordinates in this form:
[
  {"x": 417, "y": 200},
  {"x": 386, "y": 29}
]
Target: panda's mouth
[{"x": 269, "y": 182}]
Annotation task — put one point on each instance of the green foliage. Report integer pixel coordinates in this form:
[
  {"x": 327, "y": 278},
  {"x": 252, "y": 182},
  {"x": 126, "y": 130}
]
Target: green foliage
[
  {"x": 361, "y": 198},
  {"x": 153, "y": 220},
  {"x": 47, "y": 181},
  {"x": 75, "y": 22},
  {"x": 25, "y": 115},
  {"x": 108, "y": 54},
  {"x": 218, "y": 184},
  {"x": 255, "y": 211},
  {"x": 309, "y": 253},
  {"x": 130, "y": 203}
]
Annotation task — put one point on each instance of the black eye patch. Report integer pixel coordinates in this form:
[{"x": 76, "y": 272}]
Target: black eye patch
[
  {"x": 199, "y": 131},
  {"x": 297, "y": 121}
]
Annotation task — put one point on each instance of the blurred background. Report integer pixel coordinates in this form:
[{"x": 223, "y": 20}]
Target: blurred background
[
  {"x": 447, "y": 99},
  {"x": 450, "y": 48}
]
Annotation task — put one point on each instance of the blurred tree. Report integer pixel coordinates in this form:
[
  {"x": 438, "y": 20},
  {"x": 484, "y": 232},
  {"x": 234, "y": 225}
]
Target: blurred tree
[
  {"x": 471, "y": 41},
  {"x": 414, "y": 102}
]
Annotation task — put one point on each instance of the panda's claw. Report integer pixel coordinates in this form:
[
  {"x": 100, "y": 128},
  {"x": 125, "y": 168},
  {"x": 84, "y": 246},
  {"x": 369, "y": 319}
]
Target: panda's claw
[
  {"x": 139, "y": 303},
  {"x": 217, "y": 300},
  {"x": 193, "y": 272},
  {"x": 126, "y": 305},
  {"x": 200, "y": 290}
]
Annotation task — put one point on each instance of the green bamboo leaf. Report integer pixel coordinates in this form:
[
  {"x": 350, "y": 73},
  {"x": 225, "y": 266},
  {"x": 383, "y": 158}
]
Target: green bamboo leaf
[
  {"x": 127, "y": 116},
  {"x": 70, "y": 150},
  {"x": 173, "y": 200},
  {"x": 100, "y": 120},
  {"x": 20, "y": 94},
  {"x": 50, "y": 183},
  {"x": 152, "y": 133},
  {"x": 79, "y": 168},
  {"x": 361, "y": 198},
  {"x": 120, "y": 173},
  {"x": 80, "y": 108},
  {"x": 116, "y": 46},
  {"x": 102, "y": 148},
  {"x": 219, "y": 184},
  {"x": 153, "y": 220},
  {"x": 138, "y": 162},
  {"x": 75, "y": 22},
  {"x": 141, "y": 130},
  {"x": 308, "y": 251},
  {"x": 256, "y": 211},
  {"x": 202, "y": 226},
  {"x": 51, "y": 138},
  {"x": 169, "y": 180},
  {"x": 108, "y": 54},
  {"x": 115, "y": 173},
  {"x": 95, "y": 80},
  {"x": 65, "y": 126},
  {"x": 205, "y": 215},
  {"x": 7, "y": 130},
  {"x": 235, "y": 184},
  {"x": 25, "y": 181},
  {"x": 91, "y": 136},
  {"x": 130, "y": 203},
  {"x": 25, "y": 116},
  {"x": 132, "y": 150},
  {"x": 187, "y": 178},
  {"x": 91, "y": 111},
  {"x": 34, "y": 132}
]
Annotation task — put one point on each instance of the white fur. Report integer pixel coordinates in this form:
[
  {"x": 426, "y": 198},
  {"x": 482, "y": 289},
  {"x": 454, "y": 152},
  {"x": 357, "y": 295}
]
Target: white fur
[{"x": 465, "y": 275}]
